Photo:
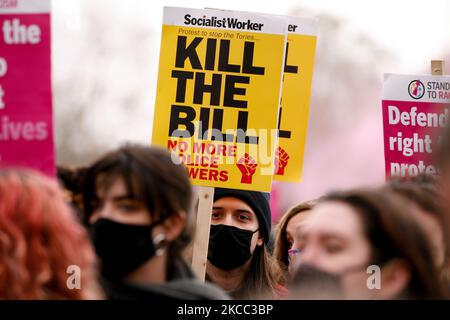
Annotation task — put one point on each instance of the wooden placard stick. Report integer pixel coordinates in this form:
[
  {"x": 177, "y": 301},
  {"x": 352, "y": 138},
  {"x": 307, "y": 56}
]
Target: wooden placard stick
[
  {"x": 437, "y": 67},
  {"x": 201, "y": 238}
]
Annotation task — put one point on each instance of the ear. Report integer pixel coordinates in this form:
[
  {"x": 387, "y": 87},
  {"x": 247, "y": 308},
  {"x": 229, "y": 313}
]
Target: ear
[
  {"x": 395, "y": 277},
  {"x": 260, "y": 240},
  {"x": 174, "y": 225}
]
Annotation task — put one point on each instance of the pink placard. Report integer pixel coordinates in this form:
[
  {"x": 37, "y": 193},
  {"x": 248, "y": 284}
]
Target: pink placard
[
  {"x": 415, "y": 110},
  {"x": 26, "y": 119}
]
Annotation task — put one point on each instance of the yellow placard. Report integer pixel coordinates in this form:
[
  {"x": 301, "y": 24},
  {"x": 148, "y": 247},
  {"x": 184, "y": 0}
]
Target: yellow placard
[
  {"x": 298, "y": 73},
  {"x": 218, "y": 95}
]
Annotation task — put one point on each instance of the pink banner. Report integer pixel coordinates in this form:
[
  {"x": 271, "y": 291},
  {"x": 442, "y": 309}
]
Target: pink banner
[
  {"x": 415, "y": 110},
  {"x": 26, "y": 120}
]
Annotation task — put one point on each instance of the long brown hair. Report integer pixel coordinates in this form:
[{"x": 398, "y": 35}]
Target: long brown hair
[
  {"x": 425, "y": 191},
  {"x": 263, "y": 278},
  {"x": 281, "y": 245},
  {"x": 394, "y": 233}
]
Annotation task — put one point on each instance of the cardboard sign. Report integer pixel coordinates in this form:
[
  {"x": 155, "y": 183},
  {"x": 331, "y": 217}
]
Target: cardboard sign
[
  {"x": 297, "y": 78},
  {"x": 26, "y": 121},
  {"x": 415, "y": 109},
  {"x": 218, "y": 95}
]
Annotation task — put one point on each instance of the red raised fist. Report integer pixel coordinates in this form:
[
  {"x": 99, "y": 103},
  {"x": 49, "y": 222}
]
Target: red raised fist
[
  {"x": 281, "y": 161},
  {"x": 247, "y": 165}
]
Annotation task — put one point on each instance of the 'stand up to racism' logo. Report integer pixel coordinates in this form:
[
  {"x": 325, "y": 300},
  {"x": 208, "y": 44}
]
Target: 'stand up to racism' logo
[{"x": 416, "y": 89}]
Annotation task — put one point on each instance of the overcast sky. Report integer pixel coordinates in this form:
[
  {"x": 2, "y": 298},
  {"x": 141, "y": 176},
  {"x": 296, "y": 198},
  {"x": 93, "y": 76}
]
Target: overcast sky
[{"x": 415, "y": 31}]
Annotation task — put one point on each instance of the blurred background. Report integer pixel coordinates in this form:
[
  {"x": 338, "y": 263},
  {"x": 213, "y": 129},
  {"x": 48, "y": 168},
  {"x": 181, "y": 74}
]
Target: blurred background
[{"x": 105, "y": 65}]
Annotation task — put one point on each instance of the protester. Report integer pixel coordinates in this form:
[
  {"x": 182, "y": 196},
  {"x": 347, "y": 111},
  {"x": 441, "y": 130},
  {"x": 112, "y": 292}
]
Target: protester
[
  {"x": 286, "y": 250},
  {"x": 44, "y": 252},
  {"x": 138, "y": 203},
  {"x": 424, "y": 191},
  {"x": 238, "y": 259},
  {"x": 349, "y": 235}
]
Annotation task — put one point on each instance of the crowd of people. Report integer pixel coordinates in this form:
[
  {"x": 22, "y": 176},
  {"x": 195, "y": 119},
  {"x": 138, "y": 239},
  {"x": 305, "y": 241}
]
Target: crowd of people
[{"x": 127, "y": 223}]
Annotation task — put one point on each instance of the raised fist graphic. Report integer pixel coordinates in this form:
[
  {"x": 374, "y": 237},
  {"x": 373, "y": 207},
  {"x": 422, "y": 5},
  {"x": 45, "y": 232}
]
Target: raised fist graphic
[
  {"x": 281, "y": 161},
  {"x": 247, "y": 165}
]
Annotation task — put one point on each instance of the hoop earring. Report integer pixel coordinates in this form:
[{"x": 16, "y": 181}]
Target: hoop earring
[{"x": 160, "y": 244}]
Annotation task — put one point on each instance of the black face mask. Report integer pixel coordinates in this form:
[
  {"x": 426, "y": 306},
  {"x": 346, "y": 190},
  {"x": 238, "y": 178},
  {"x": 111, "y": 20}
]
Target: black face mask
[
  {"x": 229, "y": 247},
  {"x": 309, "y": 282},
  {"x": 122, "y": 248}
]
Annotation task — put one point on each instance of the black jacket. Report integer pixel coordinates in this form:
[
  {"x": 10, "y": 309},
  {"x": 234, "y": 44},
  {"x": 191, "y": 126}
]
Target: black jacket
[{"x": 183, "y": 286}]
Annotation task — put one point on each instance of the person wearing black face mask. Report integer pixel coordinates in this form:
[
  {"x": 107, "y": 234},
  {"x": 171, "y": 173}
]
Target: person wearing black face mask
[
  {"x": 137, "y": 203},
  {"x": 364, "y": 244},
  {"x": 238, "y": 259},
  {"x": 123, "y": 247}
]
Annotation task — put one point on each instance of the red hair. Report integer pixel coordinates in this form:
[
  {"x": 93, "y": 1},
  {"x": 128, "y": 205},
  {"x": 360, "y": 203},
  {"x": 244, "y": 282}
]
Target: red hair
[{"x": 39, "y": 239}]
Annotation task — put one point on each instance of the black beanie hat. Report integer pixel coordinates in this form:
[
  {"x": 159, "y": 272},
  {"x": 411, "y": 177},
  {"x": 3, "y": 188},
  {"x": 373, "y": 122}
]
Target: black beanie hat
[{"x": 258, "y": 201}]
